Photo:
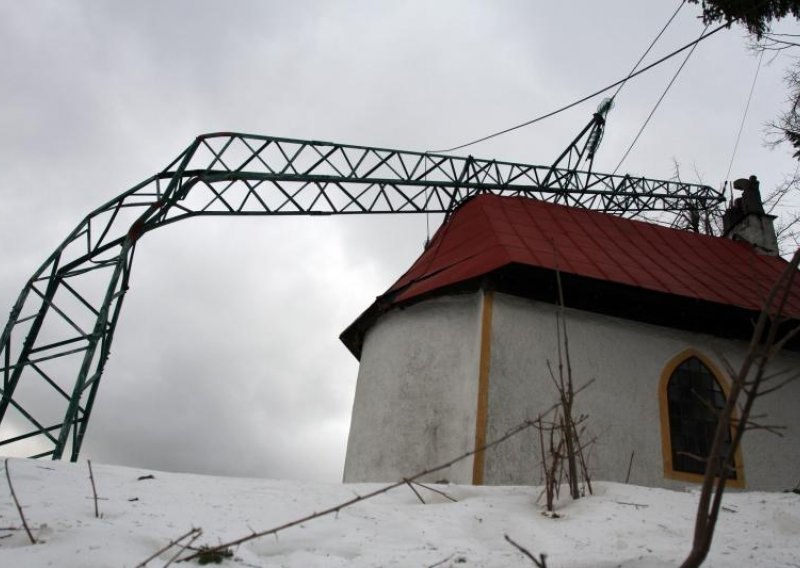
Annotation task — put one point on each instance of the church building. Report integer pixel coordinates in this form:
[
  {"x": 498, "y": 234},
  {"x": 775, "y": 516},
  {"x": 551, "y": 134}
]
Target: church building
[{"x": 456, "y": 352}]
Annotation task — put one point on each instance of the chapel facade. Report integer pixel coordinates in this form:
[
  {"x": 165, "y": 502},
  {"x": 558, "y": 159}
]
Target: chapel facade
[{"x": 461, "y": 348}]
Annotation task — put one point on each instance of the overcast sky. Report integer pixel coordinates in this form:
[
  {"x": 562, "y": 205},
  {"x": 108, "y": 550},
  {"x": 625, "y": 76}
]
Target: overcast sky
[{"x": 226, "y": 359}]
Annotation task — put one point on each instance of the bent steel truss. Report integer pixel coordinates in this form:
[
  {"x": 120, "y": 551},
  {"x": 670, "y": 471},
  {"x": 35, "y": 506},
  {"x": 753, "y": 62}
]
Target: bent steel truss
[{"x": 59, "y": 333}]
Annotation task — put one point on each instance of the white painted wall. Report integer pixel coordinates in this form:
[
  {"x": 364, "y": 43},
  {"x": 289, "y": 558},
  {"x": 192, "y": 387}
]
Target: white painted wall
[
  {"x": 626, "y": 360},
  {"x": 417, "y": 392}
]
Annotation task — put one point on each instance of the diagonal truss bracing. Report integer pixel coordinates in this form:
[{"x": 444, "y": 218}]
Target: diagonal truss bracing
[{"x": 57, "y": 340}]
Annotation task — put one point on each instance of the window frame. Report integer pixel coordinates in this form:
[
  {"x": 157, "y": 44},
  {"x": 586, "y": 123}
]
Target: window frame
[{"x": 666, "y": 440}]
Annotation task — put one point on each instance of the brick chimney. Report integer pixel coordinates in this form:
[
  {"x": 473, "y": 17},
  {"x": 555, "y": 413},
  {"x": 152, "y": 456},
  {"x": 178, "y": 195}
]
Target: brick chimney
[{"x": 745, "y": 219}]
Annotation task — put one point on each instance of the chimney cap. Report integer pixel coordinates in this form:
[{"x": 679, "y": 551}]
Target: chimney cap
[{"x": 746, "y": 183}]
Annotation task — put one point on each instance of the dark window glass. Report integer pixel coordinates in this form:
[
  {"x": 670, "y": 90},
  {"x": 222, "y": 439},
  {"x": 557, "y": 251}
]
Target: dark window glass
[{"x": 695, "y": 399}]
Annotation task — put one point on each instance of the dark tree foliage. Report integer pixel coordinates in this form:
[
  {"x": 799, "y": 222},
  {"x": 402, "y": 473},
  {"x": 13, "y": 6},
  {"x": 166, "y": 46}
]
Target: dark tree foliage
[{"x": 755, "y": 15}]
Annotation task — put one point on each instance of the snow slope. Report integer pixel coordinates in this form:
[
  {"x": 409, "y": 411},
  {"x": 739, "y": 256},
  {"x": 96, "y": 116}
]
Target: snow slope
[{"x": 621, "y": 525}]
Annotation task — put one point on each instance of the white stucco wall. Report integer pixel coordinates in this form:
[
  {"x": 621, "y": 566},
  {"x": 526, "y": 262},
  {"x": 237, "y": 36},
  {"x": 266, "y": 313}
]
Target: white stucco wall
[
  {"x": 626, "y": 360},
  {"x": 417, "y": 390}
]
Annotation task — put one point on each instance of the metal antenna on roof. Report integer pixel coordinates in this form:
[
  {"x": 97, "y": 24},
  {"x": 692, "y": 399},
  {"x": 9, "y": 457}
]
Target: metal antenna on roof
[{"x": 584, "y": 146}]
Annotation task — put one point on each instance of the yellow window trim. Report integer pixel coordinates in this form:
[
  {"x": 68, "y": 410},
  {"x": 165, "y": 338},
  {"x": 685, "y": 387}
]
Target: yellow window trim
[{"x": 666, "y": 442}]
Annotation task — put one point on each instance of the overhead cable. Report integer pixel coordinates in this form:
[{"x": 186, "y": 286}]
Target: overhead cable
[
  {"x": 658, "y": 102},
  {"x": 649, "y": 48},
  {"x": 587, "y": 97},
  {"x": 744, "y": 116}
]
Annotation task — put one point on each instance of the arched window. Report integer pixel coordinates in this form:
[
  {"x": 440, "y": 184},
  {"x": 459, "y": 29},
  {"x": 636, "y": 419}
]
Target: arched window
[{"x": 692, "y": 393}]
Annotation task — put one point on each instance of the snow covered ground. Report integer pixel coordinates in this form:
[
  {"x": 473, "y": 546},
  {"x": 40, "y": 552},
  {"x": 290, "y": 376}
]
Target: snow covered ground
[{"x": 621, "y": 525}]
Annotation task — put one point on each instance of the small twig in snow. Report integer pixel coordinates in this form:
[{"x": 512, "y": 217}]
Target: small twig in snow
[
  {"x": 184, "y": 547},
  {"x": 630, "y": 465},
  {"x": 541, "y": 562},
  {"x": 440, "y": 492},
  {"x": 192, "y": 532},
  {"x": 94, "y": 490},
  {"x": 441, "y": 561},
  {"x": 16, "y": 502},
  {"x": 415, "y": 492}
]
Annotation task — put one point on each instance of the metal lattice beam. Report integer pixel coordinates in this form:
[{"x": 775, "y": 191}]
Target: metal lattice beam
[{"x": 59, "y": 333}]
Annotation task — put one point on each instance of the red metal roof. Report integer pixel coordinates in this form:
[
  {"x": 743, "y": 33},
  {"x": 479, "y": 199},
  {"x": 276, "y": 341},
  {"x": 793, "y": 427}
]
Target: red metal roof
[{"x": 490, "y": 232}]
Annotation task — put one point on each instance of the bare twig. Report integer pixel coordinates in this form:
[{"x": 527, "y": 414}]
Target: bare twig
[
  {"x": 421, "y": 500},
  {"x": 772, "y": 429},
  {"x": 433, "y": 489},
  {"x": 545, "y": 471},
  {"x": 94, "y": 490},
  {"x": 630, "y": 465},
  {"x": 541, "y": 562},
  {"x": 183, "y": 547},
  {"x": 587, "y": 479},
  {"x": 190, "y": 533},
  {"x": 637, "y": 505},
  {"x": 780, "y": 385},
  {"x": 437, "y": 564},
  {"x": 16, "y": 502}
]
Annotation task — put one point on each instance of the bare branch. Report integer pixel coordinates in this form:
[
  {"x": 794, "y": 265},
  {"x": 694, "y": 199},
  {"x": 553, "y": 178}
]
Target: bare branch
[
  {"x": 16, "y": 502},
  {"x": 192, "y": 532},
  {"x": 94, "y": 490},
  {"x": 630, "y": 465},
  {"x": 437, "y": 564},
  {"x": 434, "y": 490},
  {"x": 183, "y": 547},
  {"x": 720, "y": 462},
  {"x": 421, "y": 500},
  {"x": 772, "y": 429},
  {"x": 541, "y": 562},
  {"x": 780, "y": 385}
]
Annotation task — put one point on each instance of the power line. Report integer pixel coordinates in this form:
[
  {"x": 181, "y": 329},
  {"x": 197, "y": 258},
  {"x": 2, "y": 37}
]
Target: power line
[
  {"x": 658, "y": 102},
  {"x": 744, "y": 116},
  {"x": 650, "y": 47},
  {"x": 586, "y": 98}
]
